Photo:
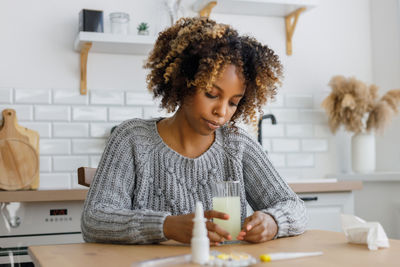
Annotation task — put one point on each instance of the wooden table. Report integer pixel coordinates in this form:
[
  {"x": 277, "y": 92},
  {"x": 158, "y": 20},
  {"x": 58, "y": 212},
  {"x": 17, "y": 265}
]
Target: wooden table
[{"x": 337, "y": 252}]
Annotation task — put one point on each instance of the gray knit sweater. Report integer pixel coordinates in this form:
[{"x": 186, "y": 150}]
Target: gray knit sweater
[{"x": 140, "y": 181}]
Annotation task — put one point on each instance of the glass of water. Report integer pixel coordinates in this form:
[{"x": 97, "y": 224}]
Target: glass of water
[{"x": 226, "y": 198}]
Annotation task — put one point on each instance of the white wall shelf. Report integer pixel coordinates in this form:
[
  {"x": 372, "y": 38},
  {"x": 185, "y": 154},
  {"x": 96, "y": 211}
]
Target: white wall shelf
[
  {"x": 273, "y": 8},
  {"x": 115, "y": 43},
  {"x": 288, "y": 9},
  {"x": 109, "y": 43}
]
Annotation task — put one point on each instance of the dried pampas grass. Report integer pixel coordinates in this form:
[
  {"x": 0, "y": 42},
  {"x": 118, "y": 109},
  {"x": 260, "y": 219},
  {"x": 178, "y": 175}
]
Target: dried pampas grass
[{"x": 355, "y": 105}]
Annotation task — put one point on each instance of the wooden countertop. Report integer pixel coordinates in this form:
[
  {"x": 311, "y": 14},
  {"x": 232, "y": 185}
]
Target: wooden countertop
[
  {"x": 80, "y": 194},
  {"x": 337, "y": 252},
  {"x": 322, "y": 187},
  {"x": 43, "y": 195}
]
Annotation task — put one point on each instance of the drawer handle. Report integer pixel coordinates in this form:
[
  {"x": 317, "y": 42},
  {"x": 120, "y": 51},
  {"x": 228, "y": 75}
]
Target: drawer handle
[{"x": 309, "y": 198}]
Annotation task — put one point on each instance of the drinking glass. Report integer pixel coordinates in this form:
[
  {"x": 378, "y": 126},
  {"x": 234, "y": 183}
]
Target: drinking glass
[{"x": 226, "y": 198}]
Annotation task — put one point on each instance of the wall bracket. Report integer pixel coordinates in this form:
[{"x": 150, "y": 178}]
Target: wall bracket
[
  {"x": 206, "y": 11},
  {"x": 290, "y": 22},
  {"x": 84, "y": 56}
]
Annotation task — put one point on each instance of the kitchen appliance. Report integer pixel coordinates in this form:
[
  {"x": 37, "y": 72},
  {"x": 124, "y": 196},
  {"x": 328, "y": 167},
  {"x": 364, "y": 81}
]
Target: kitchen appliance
[{"x": 37, "y": 223}]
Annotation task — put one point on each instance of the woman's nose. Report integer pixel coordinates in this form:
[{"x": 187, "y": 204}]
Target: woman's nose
[{"x": 220, "y": 110}]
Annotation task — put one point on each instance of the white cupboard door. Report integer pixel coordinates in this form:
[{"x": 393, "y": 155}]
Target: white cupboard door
[{"x": 324, "y": 209}]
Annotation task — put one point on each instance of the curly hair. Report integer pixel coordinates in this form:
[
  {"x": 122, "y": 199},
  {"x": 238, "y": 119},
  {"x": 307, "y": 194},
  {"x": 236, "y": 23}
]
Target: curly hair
[{"x": 193, "y": 53}]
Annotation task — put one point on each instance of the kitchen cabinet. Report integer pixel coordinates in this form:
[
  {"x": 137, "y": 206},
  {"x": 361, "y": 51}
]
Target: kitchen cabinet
[
  {"x": 324, "y": 209},
  {"x": 326, "y": 200}
]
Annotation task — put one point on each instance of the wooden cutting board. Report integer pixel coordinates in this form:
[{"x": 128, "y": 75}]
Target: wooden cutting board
[{"x": 19, "y": 154}]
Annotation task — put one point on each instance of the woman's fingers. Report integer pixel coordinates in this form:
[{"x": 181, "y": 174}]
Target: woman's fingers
[
  {"x": 255, "y": 232},
  {"x": 216, "y": 233},
  {"x": 261, "y": 227},
  {"x": 210, "y": 214},
  {"x": 249, "y": 224}
]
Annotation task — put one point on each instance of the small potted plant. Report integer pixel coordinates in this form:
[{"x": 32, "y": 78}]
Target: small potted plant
[{"x": 143, "y": 28}]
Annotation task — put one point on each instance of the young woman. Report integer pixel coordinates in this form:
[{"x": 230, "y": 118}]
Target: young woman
[{"x": 152, "y": 172}]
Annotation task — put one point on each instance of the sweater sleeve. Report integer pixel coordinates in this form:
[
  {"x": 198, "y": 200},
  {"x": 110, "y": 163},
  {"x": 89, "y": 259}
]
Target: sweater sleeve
[
  {"x": 266, "y": 191},
  {"x": 108, "y": 214}
]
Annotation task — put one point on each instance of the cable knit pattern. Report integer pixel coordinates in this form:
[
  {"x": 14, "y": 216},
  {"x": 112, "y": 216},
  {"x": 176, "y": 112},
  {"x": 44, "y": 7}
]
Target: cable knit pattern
[{"x": 140, "y": 181}]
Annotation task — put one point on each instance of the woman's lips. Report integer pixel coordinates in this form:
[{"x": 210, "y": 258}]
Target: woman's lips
[{"x": 212, "y": 125}]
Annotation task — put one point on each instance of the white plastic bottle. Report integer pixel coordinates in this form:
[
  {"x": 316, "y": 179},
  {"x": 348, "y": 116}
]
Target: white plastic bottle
[{"x": 200, "y": 243}]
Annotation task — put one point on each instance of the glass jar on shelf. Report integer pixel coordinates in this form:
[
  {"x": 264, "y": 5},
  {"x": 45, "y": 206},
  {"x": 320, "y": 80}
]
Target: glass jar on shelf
[{"x": 119, "y": 22}]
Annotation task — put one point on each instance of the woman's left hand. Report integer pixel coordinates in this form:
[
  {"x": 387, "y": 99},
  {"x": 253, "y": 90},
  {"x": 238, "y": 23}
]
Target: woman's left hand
[{"x": 259, "y": 227}]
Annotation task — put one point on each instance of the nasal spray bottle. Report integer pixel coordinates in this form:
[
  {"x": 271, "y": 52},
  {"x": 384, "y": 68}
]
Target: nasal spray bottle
[{"x": 200, "y": 243}]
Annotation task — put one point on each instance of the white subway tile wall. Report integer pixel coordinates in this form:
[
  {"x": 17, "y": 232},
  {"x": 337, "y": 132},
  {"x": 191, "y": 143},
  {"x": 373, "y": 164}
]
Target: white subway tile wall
[
  {"x": 285, "y": 145},
  {"x": 6, "y": 95},
  {"x": 299, "y": 130},
  {"x": 70, "y": 129},
  {"x": 24, "y": 112},
  {"x": 101, "y": 129},
  {"x": 43, "y": 128},
  {"x": 33, "y": 96},
  {"x": 299, "y": 101},
  {"x": 55, "y": 146},
  {"x": 55, "y": 181},
  {"x": 45, "y": 164},
  {"x": 139, "y": 99},
  {"x": 106, "y": 98},
  {"x": 52, "y": 113},
  {"x": 277, "y": 159},
  {"x": 300, "y": 160},
  {"x": 69, "y": 163},
  {"x": 89, "y": 113},
  {"x": 67, "y": 96},
  {"x": 121, "y": 114},
  {"x": 273, "y": 130},
  {"x": 88, "y": 146},
  {"x": 74, "y": 128}
]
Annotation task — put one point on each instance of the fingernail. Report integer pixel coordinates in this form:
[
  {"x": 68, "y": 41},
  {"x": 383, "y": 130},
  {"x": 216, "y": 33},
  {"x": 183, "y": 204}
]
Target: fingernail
[{"x": 248, "y": 227}]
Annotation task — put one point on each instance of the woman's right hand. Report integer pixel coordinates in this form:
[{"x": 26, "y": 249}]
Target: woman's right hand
[{"x": 180, "y": 227}]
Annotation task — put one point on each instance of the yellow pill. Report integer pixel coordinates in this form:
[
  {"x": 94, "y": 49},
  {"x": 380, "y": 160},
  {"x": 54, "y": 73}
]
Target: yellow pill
[
  {"x": 223, "y": 256},
  {"x": 265, "y": 258}
]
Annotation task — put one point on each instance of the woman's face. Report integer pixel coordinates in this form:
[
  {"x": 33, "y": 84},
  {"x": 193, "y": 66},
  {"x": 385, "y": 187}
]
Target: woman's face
[{"x": 207, "y": 111}]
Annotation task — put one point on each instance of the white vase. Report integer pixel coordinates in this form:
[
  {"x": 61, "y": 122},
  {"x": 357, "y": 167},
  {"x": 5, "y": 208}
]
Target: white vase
[
  {"x": 343, "y": 150},
  {"x": 363, "y": 152}
]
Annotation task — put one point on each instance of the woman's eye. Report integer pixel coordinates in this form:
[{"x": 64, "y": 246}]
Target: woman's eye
[
  {"x": 210, "y": 95},
  {"x": 233, "y": 104}
]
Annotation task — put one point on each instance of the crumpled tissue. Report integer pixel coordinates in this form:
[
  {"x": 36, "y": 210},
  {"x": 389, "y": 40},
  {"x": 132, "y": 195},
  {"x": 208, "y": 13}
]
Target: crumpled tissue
[{"x": 359, "y": 231}]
